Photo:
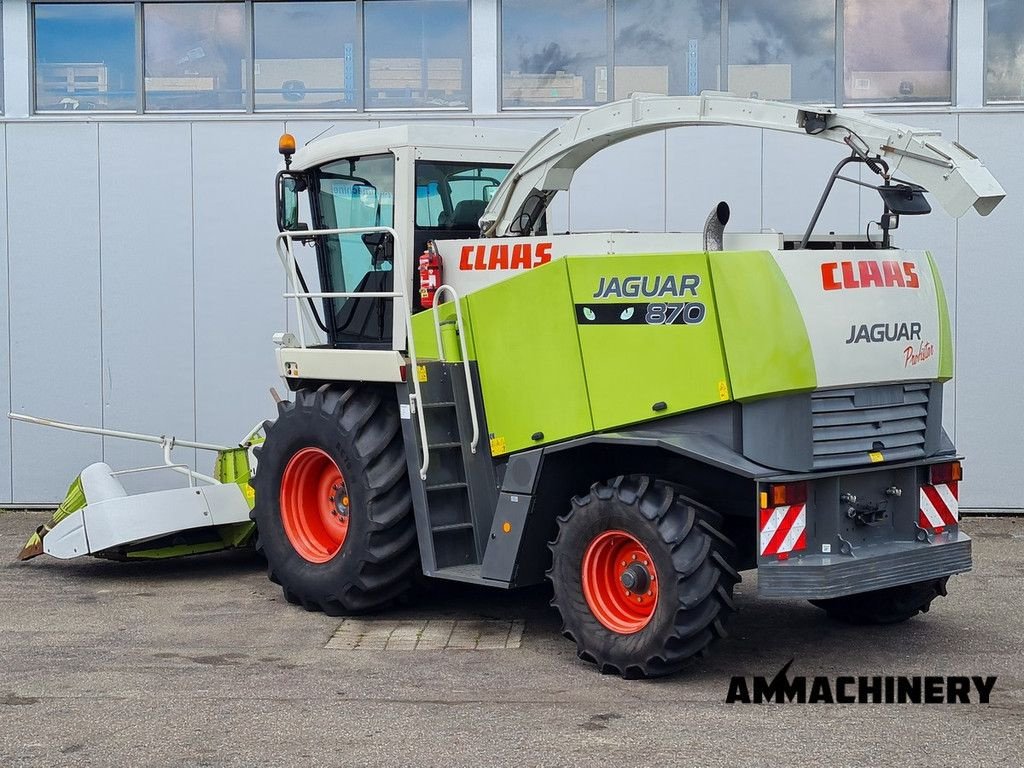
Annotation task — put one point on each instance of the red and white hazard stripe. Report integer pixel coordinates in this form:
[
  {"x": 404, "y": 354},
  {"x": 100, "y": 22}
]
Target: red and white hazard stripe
[
  {"x": 783, "y": 529},
  {"x": 939, "y": 505}
]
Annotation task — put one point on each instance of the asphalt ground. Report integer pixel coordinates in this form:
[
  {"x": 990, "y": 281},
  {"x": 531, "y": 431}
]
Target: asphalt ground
[{"x": 201, "y": 662}]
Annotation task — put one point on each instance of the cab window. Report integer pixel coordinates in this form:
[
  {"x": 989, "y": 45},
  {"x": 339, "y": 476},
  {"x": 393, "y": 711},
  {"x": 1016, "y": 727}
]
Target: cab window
[{"x": 451, "y": 197}]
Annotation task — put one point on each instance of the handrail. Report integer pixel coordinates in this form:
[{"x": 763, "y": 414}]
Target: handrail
[
  {"x": 283, "y": 245},
  {"x": 465, "y": 354},
  {"x": 414, "y": 372},
  {"x": 179, "y": 468},
  {"x": 167, "y": 443}
]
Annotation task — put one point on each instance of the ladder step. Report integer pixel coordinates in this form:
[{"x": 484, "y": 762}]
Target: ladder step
[
  {"x": 445, "y": 486},
  {"x": 452, "y": 527},
  {"x": 454, "y": 444},
  {"x": 439, "y": 405}
]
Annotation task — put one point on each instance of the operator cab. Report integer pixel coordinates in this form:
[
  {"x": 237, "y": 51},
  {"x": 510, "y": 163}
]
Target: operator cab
[{"x": 424, "y": 183}]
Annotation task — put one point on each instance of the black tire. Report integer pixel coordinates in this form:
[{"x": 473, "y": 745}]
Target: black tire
[
  {"x": 884, "y": 606},
  {"x": 692, "y": 565},
  {"x": 358, "y": 427}
]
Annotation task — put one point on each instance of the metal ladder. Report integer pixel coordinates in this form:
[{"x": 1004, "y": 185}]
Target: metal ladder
[{"x": 459, "y": 483}]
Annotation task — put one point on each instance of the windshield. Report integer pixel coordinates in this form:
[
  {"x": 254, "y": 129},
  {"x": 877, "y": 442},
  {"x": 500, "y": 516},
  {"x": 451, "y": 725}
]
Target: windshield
[{"x": 453, "y": 196}]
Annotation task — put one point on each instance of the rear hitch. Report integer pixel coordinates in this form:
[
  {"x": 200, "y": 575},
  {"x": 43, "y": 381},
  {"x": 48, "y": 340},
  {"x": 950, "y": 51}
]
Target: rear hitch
[{"x": 866, "y": 512}]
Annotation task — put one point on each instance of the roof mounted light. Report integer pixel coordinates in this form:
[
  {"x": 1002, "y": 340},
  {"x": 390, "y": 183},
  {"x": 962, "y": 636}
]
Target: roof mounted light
[{"x": 286, "y": 146}]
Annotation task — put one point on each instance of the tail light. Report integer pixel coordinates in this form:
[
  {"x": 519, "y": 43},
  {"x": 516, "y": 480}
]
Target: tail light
[
  {"x": 943, "y": 474},
  {"x": 784, "y": 494}
]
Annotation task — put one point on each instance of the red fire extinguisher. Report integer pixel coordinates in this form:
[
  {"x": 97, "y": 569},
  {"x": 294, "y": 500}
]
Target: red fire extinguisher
[{"x": 430, "y": 274}]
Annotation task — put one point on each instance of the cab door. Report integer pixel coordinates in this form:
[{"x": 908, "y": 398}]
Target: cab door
[{"x": 352, "y": 193}]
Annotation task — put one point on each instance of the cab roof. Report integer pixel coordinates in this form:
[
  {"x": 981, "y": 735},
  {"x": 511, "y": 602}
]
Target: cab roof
[{"x": 376, "y": 141}]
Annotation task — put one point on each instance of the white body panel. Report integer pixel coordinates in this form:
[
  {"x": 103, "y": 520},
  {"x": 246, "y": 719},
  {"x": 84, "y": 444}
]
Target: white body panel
[
  {"x": 340, "y": 365},
  {"x": 120, "y": 520},
  {"x": 845, "y": 352},
  {"x": 67, "y": 539}
]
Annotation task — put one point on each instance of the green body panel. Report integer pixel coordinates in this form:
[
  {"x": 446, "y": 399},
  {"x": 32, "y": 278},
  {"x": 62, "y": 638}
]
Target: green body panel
[
  {"x": 577, "y": 346},
  {"x": 528, "y": 355},
  {"x": 232, "y": 466},
  {"x": 766, "y": 344},
  {"x": 631, "y": 365},
  {"x": 74, "y": 500},
  {"x": 945, "y": 335},
  {"x": 426, "y": 338},
  {"x": 180, "y": 550}
]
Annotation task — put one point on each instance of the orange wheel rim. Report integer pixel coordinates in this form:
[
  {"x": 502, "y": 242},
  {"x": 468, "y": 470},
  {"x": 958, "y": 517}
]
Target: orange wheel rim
[
  {"x": 619, "y": 582},
  {"x": 314, "y": 505}
]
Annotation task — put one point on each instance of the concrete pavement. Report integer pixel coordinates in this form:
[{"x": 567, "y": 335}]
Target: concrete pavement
[{"x": 201, "y": 662}]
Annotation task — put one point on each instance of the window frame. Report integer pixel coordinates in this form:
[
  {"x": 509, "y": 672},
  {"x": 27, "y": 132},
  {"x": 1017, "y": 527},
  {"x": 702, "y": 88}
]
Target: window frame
[
  {"x": 467, "y": 63},
  {"x": 986, "y": 100},
  {"x": 874, "y": 105},
  {"x": 249, "y": 105},
  {"x": 357, "y": 64},
  {"x": 838, "y": 97},
  {"x": 33, "y": 85}
]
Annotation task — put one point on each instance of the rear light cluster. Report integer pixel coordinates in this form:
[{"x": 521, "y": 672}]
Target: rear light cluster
[
  {"x": 782, "y": 520},
  {"x": 940, "y": 498}
]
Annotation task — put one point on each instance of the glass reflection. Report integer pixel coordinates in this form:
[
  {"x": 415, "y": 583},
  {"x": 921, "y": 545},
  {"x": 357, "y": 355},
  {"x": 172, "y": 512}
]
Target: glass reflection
[
  {"x": 1004, "y": 52},
  {"x": 195, "y": 56},
  {"x": 417, "y": 53},
  {"x": 305, "y": 55},
  {"x": 667, "y": 46},
  {"x": 554, "y": 54},
  {"x": 783, "y": 50},
  {"x": 896, "y": 51},
  {"x": 85, "y": 57}
]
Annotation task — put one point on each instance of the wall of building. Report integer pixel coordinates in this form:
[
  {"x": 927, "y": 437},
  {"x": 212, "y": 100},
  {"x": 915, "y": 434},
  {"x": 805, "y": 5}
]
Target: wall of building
[{"x": 140, "y": 287}]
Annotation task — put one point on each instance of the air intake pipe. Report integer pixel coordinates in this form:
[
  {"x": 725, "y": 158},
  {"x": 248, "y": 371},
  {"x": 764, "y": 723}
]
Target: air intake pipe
[{"x": 714, "y": 227}]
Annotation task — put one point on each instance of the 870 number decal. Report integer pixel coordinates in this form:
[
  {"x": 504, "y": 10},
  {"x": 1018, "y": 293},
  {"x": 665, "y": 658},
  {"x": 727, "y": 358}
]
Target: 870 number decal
[{"x": 689, "y": 313}]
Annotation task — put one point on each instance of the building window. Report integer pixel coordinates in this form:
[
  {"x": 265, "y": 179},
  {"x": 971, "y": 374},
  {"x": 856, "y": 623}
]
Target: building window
[
  {"x": 85, "y": 57},
  {"x": 417, "y": 53},
  {"x": 897, "y": 51},
  {"x": 306, "y": 55},
  {"x": 783, "y": 50},
  {"x": 1004, "y": 50},
  {"x": 196, "y": 56},
  {"x": 666, "y": 47},
  {"x": 554, "y": 54}
]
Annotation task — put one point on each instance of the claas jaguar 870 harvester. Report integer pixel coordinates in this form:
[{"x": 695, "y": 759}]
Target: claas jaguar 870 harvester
[{"x": 637, "y": 417}]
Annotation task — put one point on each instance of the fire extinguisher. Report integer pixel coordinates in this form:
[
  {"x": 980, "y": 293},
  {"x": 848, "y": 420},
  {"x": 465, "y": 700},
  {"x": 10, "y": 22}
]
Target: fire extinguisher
[{"x": 430, "y": 274}]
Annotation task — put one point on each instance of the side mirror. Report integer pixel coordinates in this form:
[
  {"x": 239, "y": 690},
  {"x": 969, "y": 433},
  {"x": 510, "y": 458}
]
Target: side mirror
[
  {"x": 905, "y": 199},
  {"x": 289, "y": 185}
]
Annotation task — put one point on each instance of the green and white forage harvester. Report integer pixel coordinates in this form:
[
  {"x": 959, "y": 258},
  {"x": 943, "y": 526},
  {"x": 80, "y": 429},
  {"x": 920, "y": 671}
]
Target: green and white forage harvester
[{"x": 638, "y": 417}]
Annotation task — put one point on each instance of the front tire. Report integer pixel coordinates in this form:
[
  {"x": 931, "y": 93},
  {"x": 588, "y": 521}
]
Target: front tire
[
  {"x": 642, "y": 577},
  {"x": 884, "y": 606},
  {"x": 333, "y": 506}
]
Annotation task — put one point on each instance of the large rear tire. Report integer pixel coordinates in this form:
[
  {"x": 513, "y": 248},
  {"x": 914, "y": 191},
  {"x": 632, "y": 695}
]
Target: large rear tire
[
  {"x": 333, "y": 506},
  {"x": 884, "y": 606},
  {"x": 642, "y": 577}
]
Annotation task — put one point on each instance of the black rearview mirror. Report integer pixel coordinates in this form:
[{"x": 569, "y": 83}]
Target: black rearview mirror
[
  {"x": 905, "y": 199},
  {"x": 289, "y": 185}
]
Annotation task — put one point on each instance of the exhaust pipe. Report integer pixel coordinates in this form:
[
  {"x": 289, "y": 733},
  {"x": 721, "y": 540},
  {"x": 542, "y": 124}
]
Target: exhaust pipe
[{"x": 714, "y": 227}]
